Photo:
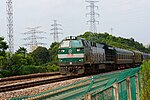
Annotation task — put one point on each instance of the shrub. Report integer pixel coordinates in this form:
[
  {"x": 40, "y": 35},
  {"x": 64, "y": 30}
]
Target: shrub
[
  {"x": 1, "y": 76},
  {"x": 38, "y": 69},
  {"x": 28, "y": 69},
  {"x": 145, "y": 73},
  {"x": 5, "y": 73},
  {"x": 54, "y": 68}
]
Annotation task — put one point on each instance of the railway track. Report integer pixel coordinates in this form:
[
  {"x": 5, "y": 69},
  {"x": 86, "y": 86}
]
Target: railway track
[
  {"x": 23, "y": 85},
  {"x": 12, "y": 87},
  {"x": 11, "y": 92},
  {"x": 28, "y": 76},
  {"x": 76, "y": 89}
]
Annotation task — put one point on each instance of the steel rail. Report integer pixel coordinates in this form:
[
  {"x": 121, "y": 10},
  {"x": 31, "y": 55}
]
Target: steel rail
[{"x": 18, "y": 86}]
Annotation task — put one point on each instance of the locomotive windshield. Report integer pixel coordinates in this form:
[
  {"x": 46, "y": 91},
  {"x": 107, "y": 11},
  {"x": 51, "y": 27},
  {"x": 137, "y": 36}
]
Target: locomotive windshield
[
  {"x": 71, "y": 43},
  {"x": 65, "y": 44}
]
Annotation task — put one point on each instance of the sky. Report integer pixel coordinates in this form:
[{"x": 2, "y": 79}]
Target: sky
[{"x": 128, "y": 18}]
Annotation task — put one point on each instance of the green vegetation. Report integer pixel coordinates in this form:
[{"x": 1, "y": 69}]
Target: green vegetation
[
  {"x": 40, "y": 56},
  {"x": 3, "y": 48},
  {"x": 145, "y": 74},
  {"x": 21, "y": 62},
  {"x": 46, "y": 60},
  {"x": 53, "y": 52},
  {"x": 129, "y": 44}
]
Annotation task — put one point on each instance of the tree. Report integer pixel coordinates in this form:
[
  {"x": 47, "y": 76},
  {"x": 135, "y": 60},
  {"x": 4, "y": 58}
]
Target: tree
[
  {"x": 118, "y": 42},
  {"x": 40, "y": 55},
  {"x": 53, "y": 52},
  {"x": 3, "y": 46},
  {"x": 22, "y": 50}
]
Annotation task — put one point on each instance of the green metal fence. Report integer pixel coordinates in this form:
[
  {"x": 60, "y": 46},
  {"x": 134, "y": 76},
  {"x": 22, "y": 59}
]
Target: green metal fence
[
  {"x": 123, "y": 85},
  {"x": 126, "y": 87}
]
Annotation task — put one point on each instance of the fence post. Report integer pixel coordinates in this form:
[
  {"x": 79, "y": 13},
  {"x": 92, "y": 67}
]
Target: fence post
[
  {"x": 137, "y": 87},
  {"x": 116, "y": 91},
  {"x": 128, "y": 88},
  {"x": 87, "y": 96}
]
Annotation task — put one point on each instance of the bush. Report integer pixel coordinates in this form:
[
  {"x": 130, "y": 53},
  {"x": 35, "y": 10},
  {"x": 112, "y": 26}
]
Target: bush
[
  {"x": 38, "y": 69},
  {"x": 5, "y": 73},
  {"x": 145, "y": 73},
  {"x": 54, "y": 68},
  {"x": 1, "y": 76},
  {"x": 30, "y": 69}
]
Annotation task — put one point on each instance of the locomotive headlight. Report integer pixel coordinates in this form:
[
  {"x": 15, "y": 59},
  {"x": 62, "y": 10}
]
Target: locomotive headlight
[
  {"x": 80, "y": 60},
  {"x": 60, "y": 60},
  {"x": 78, "y": 50}
]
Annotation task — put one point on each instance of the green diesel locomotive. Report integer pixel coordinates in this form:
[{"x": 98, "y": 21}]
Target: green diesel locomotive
[{"x": 78, "y": 56}]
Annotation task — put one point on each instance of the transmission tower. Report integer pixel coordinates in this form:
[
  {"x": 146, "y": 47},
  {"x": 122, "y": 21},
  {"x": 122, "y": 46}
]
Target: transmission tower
[
  {"x": 9, "y": 10},
  {"x": 55, "y": 30},
  {"x": 33, "y": 43},
  {"x": 92, "y": 15}
]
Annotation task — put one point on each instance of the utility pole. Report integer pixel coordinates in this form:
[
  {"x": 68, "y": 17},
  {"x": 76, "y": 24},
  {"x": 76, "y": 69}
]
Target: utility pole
[
  {"x": 9, "y": 10},
  {"x": 33, "y": 43},
  {"x": 92, "y": 15},
  {"x": 55, "y": 30}
]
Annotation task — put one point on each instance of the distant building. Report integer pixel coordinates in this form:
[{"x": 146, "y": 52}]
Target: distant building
[
  {"x": 147, "y": 46},
  {"x": 32, "y": 48}
]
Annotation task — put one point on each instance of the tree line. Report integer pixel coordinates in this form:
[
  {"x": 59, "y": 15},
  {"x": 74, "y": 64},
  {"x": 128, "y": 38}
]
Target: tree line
[
  {"x": 21, "y": 62},
  {"x": 119, "y": 42},
  {"x": 46, "y": 60}
]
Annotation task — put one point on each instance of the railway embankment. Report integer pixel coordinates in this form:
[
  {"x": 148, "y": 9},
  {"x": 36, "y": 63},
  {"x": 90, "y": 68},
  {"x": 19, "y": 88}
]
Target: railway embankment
[
  {"x": 116, "y": 85},
  {"x": 120, "y": 85},
  {"x": 36, "y": 89}
]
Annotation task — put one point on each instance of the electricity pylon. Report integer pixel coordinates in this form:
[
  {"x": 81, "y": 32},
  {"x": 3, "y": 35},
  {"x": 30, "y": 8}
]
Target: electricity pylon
[
  {"x": 9, "y": 10},
  {"x": 33, "y": 43},
  {"x": 55, "y": 30},
  {"x": 92, "y": 15}
]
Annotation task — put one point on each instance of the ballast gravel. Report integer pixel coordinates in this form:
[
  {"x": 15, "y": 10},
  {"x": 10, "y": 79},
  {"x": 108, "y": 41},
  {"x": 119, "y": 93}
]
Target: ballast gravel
[{"x": 37, "y": 89}]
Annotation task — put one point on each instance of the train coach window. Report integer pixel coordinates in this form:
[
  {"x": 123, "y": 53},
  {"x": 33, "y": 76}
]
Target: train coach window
[
  {"x": 118, "y": 56},
  {"x": 126, "y": 57},
  {"x": 122, "y": 57},
  {"x": 130, "y": 56}
]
